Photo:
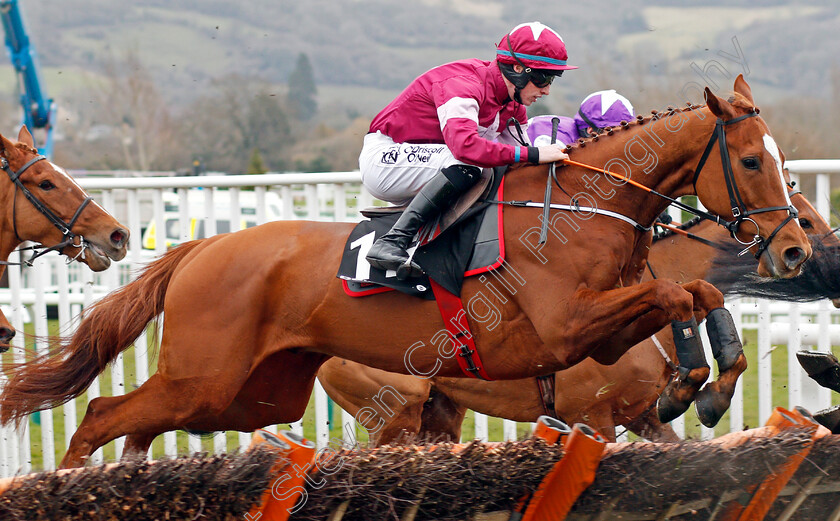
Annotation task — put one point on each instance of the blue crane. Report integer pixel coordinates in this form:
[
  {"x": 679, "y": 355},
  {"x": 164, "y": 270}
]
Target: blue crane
[{"x": 38, "y": 110}]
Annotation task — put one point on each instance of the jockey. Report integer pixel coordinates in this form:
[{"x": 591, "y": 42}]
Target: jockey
[
  {"x": 601, "y": 109},
  {"x": 605, "y": 108},
  {"x": 425, "y": 148}
]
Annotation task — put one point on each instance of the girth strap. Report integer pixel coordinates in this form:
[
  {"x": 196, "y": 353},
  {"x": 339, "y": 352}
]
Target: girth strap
[
  {"x": 454, "y": 319},
  {"x": 545, "y": 386}
]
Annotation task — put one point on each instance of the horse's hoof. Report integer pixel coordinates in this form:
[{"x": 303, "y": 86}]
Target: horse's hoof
[
  {"x": 669, "y": 409},
  {"x": 4, "y": 348},
  {"x": 829, "y": 418},
  {"x": 710, "y": 406},
  {"x": 823, "y": 368}
]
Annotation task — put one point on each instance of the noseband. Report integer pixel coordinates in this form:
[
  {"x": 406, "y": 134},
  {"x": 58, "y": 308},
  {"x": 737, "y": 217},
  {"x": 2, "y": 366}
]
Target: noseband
[
  {"x": 735, "y": 201},
  {"x": 64, "y": 227}
]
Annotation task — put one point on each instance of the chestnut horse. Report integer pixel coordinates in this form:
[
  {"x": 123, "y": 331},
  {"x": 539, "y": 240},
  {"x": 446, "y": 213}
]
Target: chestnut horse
[
  {"x": 43, "y": 204},
  {"x": 602, "y": 396},
  {"x": 250, "y": 316}
]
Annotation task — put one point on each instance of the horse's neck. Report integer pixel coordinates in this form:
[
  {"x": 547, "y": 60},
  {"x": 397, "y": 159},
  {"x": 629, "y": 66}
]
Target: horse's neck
[
  {"x": 660, "y": 154},
  {"x": 8, "y": 242},
  {"x": 8, "y": 238}
]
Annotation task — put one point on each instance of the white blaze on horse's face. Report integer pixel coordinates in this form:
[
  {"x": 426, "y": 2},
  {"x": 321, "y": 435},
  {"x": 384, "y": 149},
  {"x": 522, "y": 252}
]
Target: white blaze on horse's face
[
  {"x": 773, "y": 148},
  {"x": 63, "y": 172}
]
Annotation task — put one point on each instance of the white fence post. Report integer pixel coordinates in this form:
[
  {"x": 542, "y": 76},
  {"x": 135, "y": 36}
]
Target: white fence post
[{"x": 765, "y": 375}]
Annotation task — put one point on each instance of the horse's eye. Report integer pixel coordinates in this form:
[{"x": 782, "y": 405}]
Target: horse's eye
[
  {"x": 804, "y": 222},
  {"x": 46, "y": 185},
  {"x": 750, "y": 163}
]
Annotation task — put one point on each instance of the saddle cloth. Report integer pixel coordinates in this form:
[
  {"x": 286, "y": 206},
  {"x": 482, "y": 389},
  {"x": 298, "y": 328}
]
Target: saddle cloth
[{"x": 468, "y": 245}]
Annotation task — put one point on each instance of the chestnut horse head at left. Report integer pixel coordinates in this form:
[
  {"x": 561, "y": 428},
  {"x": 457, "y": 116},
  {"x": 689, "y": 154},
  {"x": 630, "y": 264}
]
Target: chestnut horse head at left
[
  {"x": 41, "y": 203},
  {"x": 242, "y": 370}
]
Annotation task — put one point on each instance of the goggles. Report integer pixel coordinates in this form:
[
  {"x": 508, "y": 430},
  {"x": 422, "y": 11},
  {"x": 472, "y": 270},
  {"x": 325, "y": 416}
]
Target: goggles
[{"x": 542, "y": 79}]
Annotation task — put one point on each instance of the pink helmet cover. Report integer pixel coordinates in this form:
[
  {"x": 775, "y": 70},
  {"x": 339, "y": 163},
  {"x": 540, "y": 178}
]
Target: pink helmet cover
[{"x": 536, "y": 45}]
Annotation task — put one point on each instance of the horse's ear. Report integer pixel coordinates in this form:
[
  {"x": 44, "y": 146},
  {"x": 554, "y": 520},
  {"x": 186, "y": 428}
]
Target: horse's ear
[
  {"x": 25, "y": 137},
  {"x": 719, "y": 107},
  {"x": 743, "y": 88},
  {"x": 4, "y": 145}
]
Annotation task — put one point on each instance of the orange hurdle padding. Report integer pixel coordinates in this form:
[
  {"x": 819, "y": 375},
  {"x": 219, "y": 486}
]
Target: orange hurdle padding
[
  {"x": 769, "y": 489},
  {"x": 764, "y": 494},
  {"x": 551, "y": 430},
  {"x": 570, "y": 476},
  {"x": 297, "y": 456},
  {"x": 808, "y": 417}
]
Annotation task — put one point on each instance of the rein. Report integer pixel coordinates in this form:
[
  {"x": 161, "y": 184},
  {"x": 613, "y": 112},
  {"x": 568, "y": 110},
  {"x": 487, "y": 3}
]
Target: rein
[
  {"x": 690, "y": 235},
  {"x": 707, "y": 242},
  {"x": 736, "y": 203},
  {"x": 64, "y": 227}
]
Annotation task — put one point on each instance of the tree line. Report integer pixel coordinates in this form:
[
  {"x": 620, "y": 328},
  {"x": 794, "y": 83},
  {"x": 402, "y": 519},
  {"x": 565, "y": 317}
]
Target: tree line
[{"x": 239, "y": 124}]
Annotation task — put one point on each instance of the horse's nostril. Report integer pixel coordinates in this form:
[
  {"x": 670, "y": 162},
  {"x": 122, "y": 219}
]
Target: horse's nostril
[
  {"x": 794, "y": 257},
  {"x": 119, "y": 237},
  {"x": 6, "y": 334}
]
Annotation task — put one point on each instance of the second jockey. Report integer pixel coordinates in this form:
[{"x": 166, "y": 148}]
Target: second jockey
[{"x": 605, "y": 108}]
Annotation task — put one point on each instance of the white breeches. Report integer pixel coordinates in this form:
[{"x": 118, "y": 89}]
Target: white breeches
[{"x": 395, "y": 172}]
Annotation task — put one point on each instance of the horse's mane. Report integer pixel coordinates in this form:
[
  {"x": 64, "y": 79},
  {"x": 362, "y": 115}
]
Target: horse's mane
[
  {"x": 735, "y": 98},
  {"x": 820, "y": 277},
  {"x": 25, "y": 147},
  {"x": 627, "y": 125}
]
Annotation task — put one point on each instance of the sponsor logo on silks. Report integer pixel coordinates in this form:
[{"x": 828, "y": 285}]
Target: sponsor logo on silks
[
  {"x": 421, "y": 153},
  {"x": 688, "y": 332},
  {"x": 390, "y": 156}
]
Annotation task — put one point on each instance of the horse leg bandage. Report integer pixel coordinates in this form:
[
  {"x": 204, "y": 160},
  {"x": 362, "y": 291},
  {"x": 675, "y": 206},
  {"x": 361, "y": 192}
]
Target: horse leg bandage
[
  {"x": 723, "y": 337},
  {"x": 689, "y": 346}
]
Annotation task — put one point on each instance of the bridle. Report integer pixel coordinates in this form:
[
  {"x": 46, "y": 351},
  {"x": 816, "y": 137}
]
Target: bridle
[
  {"x": 64, "y": 227},
  {"x": 739, "y": 211}
]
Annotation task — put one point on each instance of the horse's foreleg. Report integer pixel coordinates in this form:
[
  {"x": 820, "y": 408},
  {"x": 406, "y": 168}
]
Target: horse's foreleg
[
  {"x": 650, "y": 428},
  {"x": 713, "y": 400},
  {"x": 605, "y": 324},
  {"x": 656, "y": 303},
  {"x": 442, "y": 418},
  {"x": 599, "y": 416},
  {"x": 681, "y": 391},
  {"x": 137, "y": 444}
]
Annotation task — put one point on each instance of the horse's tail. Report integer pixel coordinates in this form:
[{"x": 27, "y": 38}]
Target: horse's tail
[{"x": 108, "y": 328}]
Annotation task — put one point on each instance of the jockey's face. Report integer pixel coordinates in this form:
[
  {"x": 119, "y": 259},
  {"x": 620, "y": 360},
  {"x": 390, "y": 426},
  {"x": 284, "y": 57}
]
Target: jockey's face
[{"x": 531, "y": 92}]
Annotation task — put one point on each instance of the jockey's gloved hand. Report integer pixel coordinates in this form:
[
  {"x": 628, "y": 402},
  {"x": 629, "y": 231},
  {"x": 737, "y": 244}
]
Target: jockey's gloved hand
[{"x": 552, "y": 153}]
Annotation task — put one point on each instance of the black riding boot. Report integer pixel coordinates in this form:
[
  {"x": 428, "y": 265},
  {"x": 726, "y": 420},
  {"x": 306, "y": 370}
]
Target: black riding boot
[{"x": 389, "y": 251}]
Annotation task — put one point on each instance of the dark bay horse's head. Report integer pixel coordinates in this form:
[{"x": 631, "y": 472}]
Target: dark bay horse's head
[
  {"x": 40, "y": 202},
  {"x": 756, "y": 198},
  {"x": 825, "y": 243}
]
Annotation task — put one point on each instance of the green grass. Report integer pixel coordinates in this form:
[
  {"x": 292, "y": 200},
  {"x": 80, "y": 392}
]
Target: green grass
[{"x": 692, "y": 425}]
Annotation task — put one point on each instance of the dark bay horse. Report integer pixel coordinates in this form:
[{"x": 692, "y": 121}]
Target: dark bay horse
[
  {"x": 41, "y": 203},
  {"x": 250, "y": 316},
  {"x": 602, "y": 396}
]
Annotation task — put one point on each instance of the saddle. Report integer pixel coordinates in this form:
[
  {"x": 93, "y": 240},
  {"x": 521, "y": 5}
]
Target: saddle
[
  {"x": 464, "y": 241},
  {"x": 451, "y": 215}
]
